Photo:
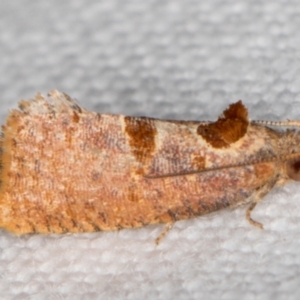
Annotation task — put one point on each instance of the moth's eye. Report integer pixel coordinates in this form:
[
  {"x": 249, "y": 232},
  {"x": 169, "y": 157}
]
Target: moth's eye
[{"x": 293, "y": 170}]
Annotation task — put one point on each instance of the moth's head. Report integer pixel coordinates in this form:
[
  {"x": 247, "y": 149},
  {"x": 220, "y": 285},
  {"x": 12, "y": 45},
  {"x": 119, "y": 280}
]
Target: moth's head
[{"x": 293, "y": 169}]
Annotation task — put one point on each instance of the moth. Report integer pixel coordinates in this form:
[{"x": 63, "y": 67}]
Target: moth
[{"x": 66, "y": 169}]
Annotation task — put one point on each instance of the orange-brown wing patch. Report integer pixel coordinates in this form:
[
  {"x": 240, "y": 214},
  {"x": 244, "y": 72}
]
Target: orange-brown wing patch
[
  {"x": 228, "y": 129},
  {"x": 198, "y": 162},
  {"x": 141, "y": 132}
]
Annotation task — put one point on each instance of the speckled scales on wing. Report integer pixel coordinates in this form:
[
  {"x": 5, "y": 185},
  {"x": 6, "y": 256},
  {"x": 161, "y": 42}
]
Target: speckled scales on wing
[{"x": 66, "y": 169}]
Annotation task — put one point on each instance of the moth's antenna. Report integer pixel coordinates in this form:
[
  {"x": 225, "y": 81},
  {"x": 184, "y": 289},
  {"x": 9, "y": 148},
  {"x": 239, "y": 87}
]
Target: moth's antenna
[
  {"x": 291, "y": 123},
  {"x": 282, "y": 158}
]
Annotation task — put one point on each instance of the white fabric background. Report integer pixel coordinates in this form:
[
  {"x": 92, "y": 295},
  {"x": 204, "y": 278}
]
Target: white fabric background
[{"x": 168, "y": 59}]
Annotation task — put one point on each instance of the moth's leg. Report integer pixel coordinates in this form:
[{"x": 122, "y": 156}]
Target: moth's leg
[
  {"x": 257, "y": 197},
  {"x": 248, "y": 216},
  {"x": 166, "y": 229}
]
